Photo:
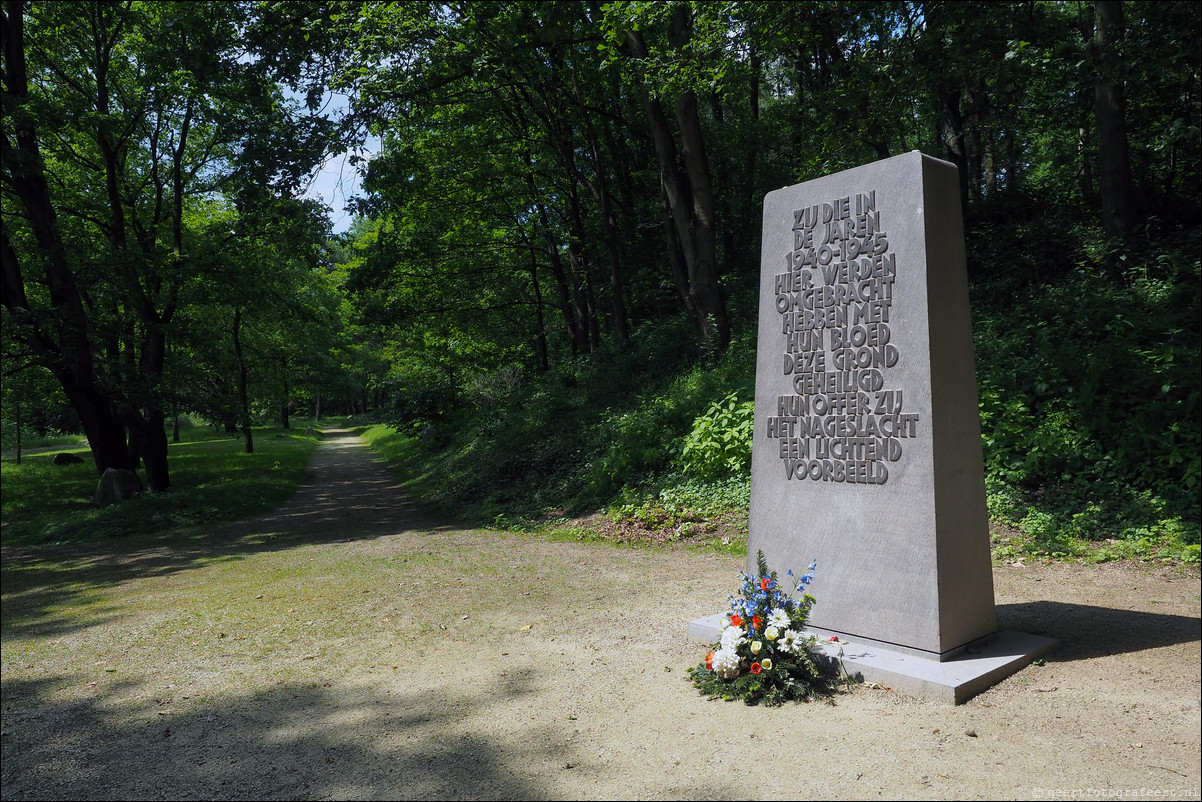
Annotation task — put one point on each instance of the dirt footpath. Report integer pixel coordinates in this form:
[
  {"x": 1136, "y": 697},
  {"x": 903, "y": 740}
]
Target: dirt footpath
[{"x": 346, "y": 648}]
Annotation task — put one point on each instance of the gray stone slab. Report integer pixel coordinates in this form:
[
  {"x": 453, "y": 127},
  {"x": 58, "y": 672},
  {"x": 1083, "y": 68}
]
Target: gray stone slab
[
  {"x": 979, "y": 665},
  {"x": 867, "y": 449}
]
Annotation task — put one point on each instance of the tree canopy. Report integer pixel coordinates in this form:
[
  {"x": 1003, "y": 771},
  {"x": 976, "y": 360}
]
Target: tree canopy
[{"x": 562, "y": 182}]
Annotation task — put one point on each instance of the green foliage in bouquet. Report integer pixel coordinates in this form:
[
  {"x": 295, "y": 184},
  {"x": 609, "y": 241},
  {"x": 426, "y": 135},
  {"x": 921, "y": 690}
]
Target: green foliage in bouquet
[{"x": 763, "y": 655}]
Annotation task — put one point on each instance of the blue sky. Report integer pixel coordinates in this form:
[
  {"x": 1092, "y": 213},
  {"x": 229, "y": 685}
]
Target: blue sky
[
  {"x": 337, "y": 181},
  {"x": 334, "y": 184}
]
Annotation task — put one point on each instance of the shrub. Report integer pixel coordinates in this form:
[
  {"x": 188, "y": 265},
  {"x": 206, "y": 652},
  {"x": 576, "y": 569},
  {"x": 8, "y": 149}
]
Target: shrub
[{"x": 720, "y": 442}]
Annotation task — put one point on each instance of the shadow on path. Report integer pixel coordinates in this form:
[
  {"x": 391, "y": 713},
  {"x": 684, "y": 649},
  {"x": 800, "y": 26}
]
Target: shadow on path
[
  {"x": 294, "y": 741},
  {"x": 348, "y": 494},
  {"x": 1088, "y": 631}
]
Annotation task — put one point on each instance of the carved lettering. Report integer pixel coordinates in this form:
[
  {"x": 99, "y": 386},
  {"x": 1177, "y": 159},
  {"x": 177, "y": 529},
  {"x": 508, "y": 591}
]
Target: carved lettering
[{"x": 844, "y": 421}]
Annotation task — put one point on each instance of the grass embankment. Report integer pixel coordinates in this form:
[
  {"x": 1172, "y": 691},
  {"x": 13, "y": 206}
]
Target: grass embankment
[
  {"x": 212, "y": 480},
  {"x": 598, "y": 434},
  {"x": 1088, "y": 369}
]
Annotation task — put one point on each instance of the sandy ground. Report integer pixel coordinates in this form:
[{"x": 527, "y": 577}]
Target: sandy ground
[{"x": 345, "y": 647}]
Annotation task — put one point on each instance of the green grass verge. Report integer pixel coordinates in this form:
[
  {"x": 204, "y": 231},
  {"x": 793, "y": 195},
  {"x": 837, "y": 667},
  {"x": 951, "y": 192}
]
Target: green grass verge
[{"x": 212, "y": 480}]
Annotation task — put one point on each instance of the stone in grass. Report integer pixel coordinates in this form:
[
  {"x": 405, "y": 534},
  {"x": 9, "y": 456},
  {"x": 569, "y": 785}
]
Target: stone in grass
[{"x": 116, "y": 485}]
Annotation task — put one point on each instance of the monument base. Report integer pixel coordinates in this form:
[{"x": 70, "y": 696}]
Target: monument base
[{"x": 981, "y": 664}]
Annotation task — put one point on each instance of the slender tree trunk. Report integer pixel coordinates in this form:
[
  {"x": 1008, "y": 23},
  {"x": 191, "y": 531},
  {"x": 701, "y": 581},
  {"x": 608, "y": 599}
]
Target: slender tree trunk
[
  {"x": 749, "y": 226},
  {"x": 680, "y": 273},
  {"x": 601, "y": 194},
  {"x": 540, "y": 326},
  {"x": 621, "y": 160},
  {"x": 586, "y": 310},
  {"x": 1110, "y": 105},
  {"x": 18, "y": 411},
  {"x": 594, "y": 317},
  {"x": 577, "y": 336},
  {"x": 243, "y": 395},
  {"x": 154, "y": 441},
  {"x": 285, "y": 422},
  {"x": 955, "y": 142},
  {"x": 1084, "y": 169}
]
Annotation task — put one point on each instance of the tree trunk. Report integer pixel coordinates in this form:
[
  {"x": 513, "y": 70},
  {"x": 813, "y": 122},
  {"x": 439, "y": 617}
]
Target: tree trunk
[
  {"x": 63, "y": 346},
  {"x": 540, "y": 325},
  {"x": 680, "y": 274},
  {"x": 601, "y": 194},
  {"x": 18, "y": 411},
  {"x": 1110, "y": 105},
  {"x": 576, "y": 333},
  {"x": 954, "y": 141},
  {"x": 136, "y": 442},
  {"x": 154, "y": 441},
  {"x": 243, "y": 395},
  {"x": 703, "y": 270},
  {"x": 586, "y": 308},
  {"x": 285, "y": 422},
  {"x": 154, "y": 450},
  {"x": 691, "y": 209}
]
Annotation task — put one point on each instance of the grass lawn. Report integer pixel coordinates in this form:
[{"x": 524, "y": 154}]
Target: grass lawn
[{"x": 212, "y": 479}]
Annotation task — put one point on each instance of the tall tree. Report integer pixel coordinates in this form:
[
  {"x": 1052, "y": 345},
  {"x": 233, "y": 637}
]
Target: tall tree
[
  {"x": 1110, "y": 109},
  {"x": 54, "y": 327},
  {"x": 688, "y": 193},
  {"x": 123, "y": 117}
]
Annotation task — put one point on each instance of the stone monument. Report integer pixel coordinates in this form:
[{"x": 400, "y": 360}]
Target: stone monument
[{"x": 866, "y": 455}]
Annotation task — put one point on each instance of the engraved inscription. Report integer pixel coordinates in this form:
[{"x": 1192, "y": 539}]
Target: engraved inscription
[{"x": 844, "y": 421}]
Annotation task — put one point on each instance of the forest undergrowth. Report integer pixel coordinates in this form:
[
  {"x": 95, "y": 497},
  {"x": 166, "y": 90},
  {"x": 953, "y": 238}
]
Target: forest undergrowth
[{"x": 1088, "y": 375}]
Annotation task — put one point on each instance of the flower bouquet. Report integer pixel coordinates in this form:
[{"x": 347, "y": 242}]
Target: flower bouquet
[{"x": 762, "y": 655}]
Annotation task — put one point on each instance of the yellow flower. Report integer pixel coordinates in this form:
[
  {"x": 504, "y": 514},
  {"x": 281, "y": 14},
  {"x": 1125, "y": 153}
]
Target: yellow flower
[
  {"x": 766, "y": 663},
  {"x": 756, "y": 646},
  {"x": 771, "y": 633}
]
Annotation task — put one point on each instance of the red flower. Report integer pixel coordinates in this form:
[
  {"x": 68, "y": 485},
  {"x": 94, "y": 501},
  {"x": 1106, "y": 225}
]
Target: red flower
[
  {"x": 755, "y": 622},
  {"x": 835, "y": 638},
  {"x": 756, "y": 668},
  {"x": 709, "y": 662},
  {"x": 764, "y": 583},
  {"x": 735, "y": 621}
]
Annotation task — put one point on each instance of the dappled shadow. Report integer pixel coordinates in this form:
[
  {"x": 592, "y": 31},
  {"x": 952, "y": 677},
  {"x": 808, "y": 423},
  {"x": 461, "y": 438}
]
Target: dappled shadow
[
  {"x": 1086, "y": 631},
  {"x": 331, "y": 740},
  {"x": 347, "y": 494},
  {"x": 294, "y": 741}
]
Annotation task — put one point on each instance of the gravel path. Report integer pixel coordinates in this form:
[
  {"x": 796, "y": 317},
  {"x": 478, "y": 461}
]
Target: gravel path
[{"x": 346, "y": 647}]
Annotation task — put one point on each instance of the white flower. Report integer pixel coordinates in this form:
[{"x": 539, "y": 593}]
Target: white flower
[
  {"x": 756, "y": 646},
  {"x": 731, "y": 638},
  {"x": 766, "y": 664},
  {"x": 726, "y": 663},
  {"x": 789, "y": 641},
  {"x": 771, "y": 633},
  {"x": 779, "y": 618}
]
